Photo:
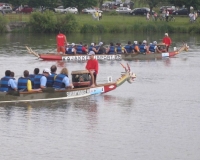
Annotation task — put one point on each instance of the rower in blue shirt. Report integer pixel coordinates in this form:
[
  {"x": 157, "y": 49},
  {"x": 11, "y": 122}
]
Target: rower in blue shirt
[{"x": 8, "y": 83}]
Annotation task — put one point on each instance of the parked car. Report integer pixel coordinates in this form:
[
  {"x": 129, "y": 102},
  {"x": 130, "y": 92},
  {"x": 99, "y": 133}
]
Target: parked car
[
  {"x": 123, "y": 10},
  {"x": 108, "y": 4},
  {"x": 169, "y": 8},
  {"x": 60, "y": 9},
  {"x": 128, "y": 3},
  {"x": 183, "y": 11},
  {"x": 72, "y": 10},
  {"x": 90, "y": 10},
  {"x": 141, "y": 11},
  {"x": 49, "y": 9},
  {"x": 6, "y": 9},
  {"x": 24, "y": 10}
]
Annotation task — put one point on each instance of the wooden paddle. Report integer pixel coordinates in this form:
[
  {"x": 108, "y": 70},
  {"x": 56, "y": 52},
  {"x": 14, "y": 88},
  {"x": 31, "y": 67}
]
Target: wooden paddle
[{"x": 32, "y": 52}]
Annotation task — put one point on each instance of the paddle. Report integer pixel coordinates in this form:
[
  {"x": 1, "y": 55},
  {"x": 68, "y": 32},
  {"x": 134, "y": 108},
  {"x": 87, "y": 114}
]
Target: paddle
[{"x": 32, "y": 52}]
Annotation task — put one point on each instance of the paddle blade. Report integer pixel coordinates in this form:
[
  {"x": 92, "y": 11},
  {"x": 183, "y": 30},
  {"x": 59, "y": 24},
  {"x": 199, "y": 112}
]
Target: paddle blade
[{"x": 129, "y": 69}]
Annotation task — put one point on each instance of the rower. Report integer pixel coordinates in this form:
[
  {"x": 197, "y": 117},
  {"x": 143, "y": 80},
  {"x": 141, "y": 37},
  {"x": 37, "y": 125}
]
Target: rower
[
  {"x": 24, "y": 83},
  {"x": 32, "y": 76},
  {"x": 111, "y": 49},
  {"x": 51, "y": 78},
  {"x": 7, "y": 83},
  {"x": 62, "y": 81},
  {"x": 40, "y": 80}
]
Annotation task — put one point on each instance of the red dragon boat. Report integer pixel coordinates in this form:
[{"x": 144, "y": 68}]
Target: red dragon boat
[
  {"x": 81, "y": 83},
  {"x": 83, "y": 57}
]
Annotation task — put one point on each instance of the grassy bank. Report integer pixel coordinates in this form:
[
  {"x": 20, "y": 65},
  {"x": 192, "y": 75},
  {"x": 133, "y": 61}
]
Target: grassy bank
[
  {"x": 123, "y": 24},
  {"x": 128, "y": 23}
]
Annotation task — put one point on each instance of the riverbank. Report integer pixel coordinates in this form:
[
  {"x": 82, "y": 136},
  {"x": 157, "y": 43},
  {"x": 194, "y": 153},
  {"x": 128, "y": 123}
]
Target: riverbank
[{"x": 113, "y": 24}]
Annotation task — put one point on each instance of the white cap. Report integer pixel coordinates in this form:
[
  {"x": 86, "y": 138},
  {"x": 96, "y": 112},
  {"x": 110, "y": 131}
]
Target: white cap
[
  {"x": 92, "y": 44},
  {"x": 91, "y": 53},
  {"x": 166, "y": 34},
  {"x": 154, "y": 42},
  {"x": 73, "y": 44},
  {"x": 100, "y": 43},
  {"x": 144, "y": 41},
  {"x": 135, "y": 42},
  {"x": 47, "y": 70}
]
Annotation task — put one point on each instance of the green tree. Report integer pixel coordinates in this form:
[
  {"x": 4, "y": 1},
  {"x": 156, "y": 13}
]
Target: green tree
[
  {"x": 43, "y": 3},
  {"x": 151, "y": 3},
  {"x": 43, "y": 22},
  {"x": 186, "y": 3},
  {"x": 79, "y": 4},
  {"x": 100, "y": 4},
  {"x": 17, "y": 2}
]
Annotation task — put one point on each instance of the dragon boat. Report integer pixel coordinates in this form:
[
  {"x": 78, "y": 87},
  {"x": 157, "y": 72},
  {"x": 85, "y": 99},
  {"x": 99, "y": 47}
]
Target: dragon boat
[
  {"x": 81, "y": 81},
  {"x": 129, "y": 57}
]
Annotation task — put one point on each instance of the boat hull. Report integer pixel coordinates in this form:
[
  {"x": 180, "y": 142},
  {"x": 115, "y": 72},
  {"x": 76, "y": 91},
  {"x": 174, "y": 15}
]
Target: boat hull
[
  {"x": 51, "y": 94},
  {"x": 151, "y": 56}
]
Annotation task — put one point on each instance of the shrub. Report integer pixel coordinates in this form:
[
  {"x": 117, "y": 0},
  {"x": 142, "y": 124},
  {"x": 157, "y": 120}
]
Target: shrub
[
  {"x": 113, "y": 13},
  {"x": 116, "y": 29},
  {"x": 149, "y": 28},
  {"x": 67, "y": 23},
  {"x": 136, "y": 27},
  {"x": 100, "y": 28},
  {"x": 87, "y": 28},
  {"x": 194, "y": 29},
  {"x": 43, "y": 22}
]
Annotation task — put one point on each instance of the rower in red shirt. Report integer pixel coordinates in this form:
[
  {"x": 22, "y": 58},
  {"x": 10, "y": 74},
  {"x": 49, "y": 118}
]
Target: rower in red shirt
[
  {"x": 92, "y": 66},
  {"x": 167, "y": 40},
  {"x": 61, "y": 42}
]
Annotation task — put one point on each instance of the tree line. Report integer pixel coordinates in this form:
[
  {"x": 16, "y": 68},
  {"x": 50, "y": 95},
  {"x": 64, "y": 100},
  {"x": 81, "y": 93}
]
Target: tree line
[{"x": 80, "y": 4}]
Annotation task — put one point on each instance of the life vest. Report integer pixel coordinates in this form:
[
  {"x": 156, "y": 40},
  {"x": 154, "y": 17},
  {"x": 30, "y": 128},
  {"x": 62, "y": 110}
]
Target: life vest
[
  {"x": 79, "y": 49},
  {"x": 22, "y": 83},
  {"x": 152, "y": 48},
  {"x": 101, "y": 50},
  {"x": 90, "y": 48},
  {"x": 112, "y": 50},
  {"x": 60, "y": 39},
  {"x": 37, "y": 81},
  {"x": 128, "y": 48},
  {"x": 31, "y": 77},
  {"x": 69, "y": 50},
  {"x": 136, "y": 48},
  {"x": 133, "y": 46},
  {"x": 58, "y": 81},
  {"x": 97, "y": 47},
  {"x": 50, "y": 80},
  {"x": 119, "y": 49},
  {"x": 141, "y": 47},
  {"x": 4, "y": 84}
]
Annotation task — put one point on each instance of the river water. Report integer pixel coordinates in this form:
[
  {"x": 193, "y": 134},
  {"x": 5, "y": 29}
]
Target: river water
[{"x": 155, "y": 118}]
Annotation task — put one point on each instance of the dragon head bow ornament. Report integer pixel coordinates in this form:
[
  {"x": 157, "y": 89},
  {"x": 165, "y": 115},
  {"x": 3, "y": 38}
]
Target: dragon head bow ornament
[{"x": 130, "y": 75}]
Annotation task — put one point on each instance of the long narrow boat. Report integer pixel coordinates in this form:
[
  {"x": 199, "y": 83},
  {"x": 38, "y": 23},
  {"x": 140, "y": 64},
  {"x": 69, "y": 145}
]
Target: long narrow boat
[
  {"x": 81, "y": 89},
  {"x": 83, "y": 57}
]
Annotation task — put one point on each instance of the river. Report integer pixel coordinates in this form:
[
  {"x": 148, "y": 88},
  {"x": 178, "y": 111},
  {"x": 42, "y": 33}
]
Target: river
[{"x": 155, "y": 118}]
